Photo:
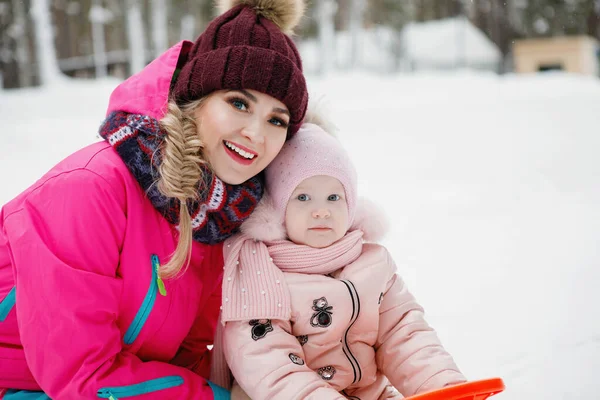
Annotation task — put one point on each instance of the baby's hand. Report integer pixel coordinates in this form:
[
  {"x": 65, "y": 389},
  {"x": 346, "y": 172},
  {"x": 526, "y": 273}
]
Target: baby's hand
[{"x": 237, "y": 393}]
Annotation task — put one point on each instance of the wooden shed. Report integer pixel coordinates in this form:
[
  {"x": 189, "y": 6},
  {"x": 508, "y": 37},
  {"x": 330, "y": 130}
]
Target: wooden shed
[{"x": 576, "y": 54}]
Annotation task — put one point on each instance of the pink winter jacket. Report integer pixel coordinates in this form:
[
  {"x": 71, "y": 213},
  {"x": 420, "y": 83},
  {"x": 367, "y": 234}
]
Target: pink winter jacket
[
  {"x": 377, "y": 341},
  {"x": 81, "y": 316}
]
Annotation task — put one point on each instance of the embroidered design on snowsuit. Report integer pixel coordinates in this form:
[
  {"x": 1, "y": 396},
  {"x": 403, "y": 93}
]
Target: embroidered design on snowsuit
[
  {"x": 322, "y": 316},
  {"x": 260, "y": 328},
  {"x": 326, "y": 373},
  {"x": 296, "y": 359}
]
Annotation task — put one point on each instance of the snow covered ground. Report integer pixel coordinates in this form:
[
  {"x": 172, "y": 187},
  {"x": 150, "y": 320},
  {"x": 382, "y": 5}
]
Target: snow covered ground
[{"x": 492, "y": 187}]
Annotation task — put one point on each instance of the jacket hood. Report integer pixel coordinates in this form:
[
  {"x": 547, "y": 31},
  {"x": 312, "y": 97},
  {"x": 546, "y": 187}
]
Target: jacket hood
[
  {"x": 147, "y": 92},
  {"x": 264, "y": 224}
]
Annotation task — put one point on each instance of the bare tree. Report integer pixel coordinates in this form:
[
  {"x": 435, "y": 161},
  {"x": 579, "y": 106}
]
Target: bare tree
[
  {"x": 44, "y": 39},
  {"x": 160, "y": 30},
  {"x": 391, "y": 13},
  {"x": 556, "y": 17},
  {"x": 593, "y": 19},
  {"x": 136, "y": 36},
  {"x": 116, "y": 32},
  {"x": 98, "y": 17},
  {"x": 326, "y": 11},
  {"x": 357, "y": 12},
  {"x": 504, "y": 28},
  {"x": 22, "y": 55},
  {"x": 422, "y": 6}
]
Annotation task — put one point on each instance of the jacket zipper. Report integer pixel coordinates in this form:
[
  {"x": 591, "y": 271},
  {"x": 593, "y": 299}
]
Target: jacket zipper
[
  {"x": 154, "y": 385},
  {"x": 156, "y": 285},
  {"x": 8, "y": 303},
  {"x": 353, "y": 318}
]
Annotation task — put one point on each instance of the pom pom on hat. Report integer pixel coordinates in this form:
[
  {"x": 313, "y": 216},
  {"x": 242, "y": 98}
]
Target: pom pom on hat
[{"x": 286, "y": 14}]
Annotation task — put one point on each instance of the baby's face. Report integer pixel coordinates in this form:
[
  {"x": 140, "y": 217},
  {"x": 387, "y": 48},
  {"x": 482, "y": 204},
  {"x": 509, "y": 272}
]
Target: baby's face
[{"x": 317, "y": 212}]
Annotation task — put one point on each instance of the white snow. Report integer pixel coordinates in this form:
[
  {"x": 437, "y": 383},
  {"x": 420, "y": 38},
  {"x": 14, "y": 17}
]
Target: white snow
[
  {"x": 433, "y": 45},
  {"x": 375, "y": 52},
  {"x": 449, "y": 43},
  {"x": 492, "y": 188}
]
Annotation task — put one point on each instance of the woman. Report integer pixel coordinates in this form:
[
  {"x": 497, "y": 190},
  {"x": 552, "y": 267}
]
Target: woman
[{"x": 111, "y": 264}]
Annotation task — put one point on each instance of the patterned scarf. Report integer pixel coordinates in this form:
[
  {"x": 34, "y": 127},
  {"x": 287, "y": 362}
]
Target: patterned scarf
[{"x": 220, "y": 210}]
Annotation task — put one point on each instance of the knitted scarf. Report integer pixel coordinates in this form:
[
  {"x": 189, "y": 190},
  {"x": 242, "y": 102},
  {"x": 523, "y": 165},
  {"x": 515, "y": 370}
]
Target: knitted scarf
[
  {"x": 221, "y": 207},
  {"x": 254, "y": 286},
  {"x": 253, "y": 283}
]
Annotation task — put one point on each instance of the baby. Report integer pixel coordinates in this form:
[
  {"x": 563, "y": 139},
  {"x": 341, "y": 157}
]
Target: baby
[{"x": 312, "y": 306}]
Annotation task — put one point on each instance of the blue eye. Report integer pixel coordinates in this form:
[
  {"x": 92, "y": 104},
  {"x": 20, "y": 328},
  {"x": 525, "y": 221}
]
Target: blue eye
[
  {"x": 239, "y": 104},
  {"x": 333, "y": 197},
  {"x": 303, "y": 197},
  {"x": 278, "y": 122}
]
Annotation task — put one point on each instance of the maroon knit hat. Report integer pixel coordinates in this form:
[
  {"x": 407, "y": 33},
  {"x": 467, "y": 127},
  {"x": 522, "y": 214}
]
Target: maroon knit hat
[{"x": 245, "y": 49}]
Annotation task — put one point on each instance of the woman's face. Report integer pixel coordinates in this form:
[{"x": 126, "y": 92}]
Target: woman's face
[{"x": 242, "y": 132}]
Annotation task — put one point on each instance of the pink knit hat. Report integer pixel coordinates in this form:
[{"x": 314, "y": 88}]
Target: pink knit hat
[{"x": 311, "y": 152}]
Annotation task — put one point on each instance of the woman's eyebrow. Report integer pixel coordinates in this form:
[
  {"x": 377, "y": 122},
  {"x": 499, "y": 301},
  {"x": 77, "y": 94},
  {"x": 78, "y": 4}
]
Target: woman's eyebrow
[
  {"x": 281, "y": 111},
  {"x": 245, "y": 93}
]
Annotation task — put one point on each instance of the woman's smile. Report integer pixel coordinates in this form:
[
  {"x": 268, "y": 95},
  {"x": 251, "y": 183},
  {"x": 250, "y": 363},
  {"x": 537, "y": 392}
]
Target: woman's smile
[{"x": 239, "y": 153}]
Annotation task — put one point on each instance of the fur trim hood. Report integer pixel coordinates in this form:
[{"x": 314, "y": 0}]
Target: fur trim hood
[{"x": 263, "y": 224}]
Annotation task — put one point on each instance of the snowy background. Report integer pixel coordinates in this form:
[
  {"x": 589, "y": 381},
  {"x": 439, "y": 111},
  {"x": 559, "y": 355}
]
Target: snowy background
[
  {"x": 491, "y": 183},
  {"x": 492, "y": 188}
]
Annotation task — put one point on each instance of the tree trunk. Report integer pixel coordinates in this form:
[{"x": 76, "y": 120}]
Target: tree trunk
[
  {"x": 356, "y": 24},
  {"x": 160, "y": 32},
  {"x": 98, "y": 20},
  {"x": 593, "y": 19},
  {"x": 326, "y": 13},
  {"x": 44, "y": 38},
  {"x": 439, "y": 8},
  {"x": 422, "y": 10},
  {"x": 135, "y": 36},
  {"x": 22, "y": 56}
]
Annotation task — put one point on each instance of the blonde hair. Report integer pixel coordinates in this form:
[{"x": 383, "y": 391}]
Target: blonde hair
[{"x": 180, "y": 175}]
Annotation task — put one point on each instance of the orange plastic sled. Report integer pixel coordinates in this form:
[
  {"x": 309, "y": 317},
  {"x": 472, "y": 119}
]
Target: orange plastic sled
[{"x": 475, "y": 390}]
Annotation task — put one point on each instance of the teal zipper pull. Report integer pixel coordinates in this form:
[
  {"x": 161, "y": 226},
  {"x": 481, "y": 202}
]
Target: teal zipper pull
[{"x": 159, "y": 282}]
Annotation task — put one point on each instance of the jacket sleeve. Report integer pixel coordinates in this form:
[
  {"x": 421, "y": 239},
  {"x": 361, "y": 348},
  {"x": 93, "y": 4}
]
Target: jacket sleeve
[
  {"x": 194, "y": 353},
  {"x": 408, "y": 349},
  {"x": 263, "y": 366},
  {"x": 65, "y": 244}
]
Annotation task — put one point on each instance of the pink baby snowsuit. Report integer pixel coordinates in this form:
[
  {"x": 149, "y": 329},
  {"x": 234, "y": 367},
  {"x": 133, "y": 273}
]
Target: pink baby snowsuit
[{"x": 354, "y": 333}]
